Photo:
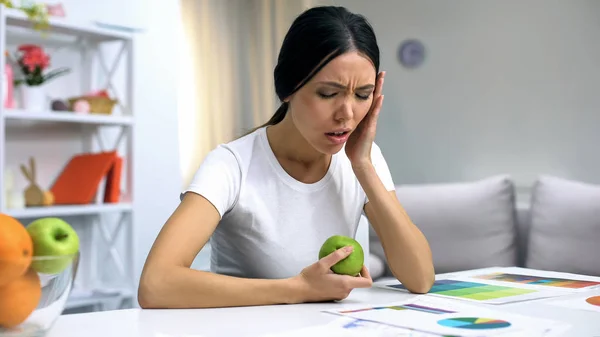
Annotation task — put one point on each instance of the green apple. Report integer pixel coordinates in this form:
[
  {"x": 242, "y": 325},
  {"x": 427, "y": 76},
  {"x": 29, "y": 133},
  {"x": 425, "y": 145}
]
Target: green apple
[
  {"x": 55, "y": 239},
  {"x": 350, "y": 265}
]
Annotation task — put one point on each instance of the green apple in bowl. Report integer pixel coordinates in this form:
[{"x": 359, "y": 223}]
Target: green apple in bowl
[
  {"x": 353, "y": 263},
  {"x": 52, "y": 237}
]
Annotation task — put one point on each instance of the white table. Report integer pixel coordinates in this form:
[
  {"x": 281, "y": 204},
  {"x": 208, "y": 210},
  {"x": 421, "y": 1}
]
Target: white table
[{"x": 257, "y": 321}]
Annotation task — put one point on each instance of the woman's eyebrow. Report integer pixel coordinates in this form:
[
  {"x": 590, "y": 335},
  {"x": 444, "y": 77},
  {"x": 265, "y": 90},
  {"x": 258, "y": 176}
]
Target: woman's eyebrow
[{"x": 340, "y": 86}]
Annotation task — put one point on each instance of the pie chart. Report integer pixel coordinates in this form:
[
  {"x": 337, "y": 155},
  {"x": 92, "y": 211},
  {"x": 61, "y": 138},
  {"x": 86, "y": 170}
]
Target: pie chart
[
  {"x": 594, "y": 300},
  {"x": 473, "y": 323}
]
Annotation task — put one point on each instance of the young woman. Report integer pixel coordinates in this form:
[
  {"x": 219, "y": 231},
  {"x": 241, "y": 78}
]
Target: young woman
[{"x": 268, "y": 200}]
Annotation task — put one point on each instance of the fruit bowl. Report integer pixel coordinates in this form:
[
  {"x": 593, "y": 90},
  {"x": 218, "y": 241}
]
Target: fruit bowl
[{"x": 31, "y": 302}]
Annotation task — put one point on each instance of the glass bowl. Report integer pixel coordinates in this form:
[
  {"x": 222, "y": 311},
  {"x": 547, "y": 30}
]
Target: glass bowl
[{"x": 31, "y": 303}]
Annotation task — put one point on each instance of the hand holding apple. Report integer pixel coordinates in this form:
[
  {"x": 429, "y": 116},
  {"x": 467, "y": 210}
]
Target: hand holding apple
[
  {"x": 53, "y": 237},
  {"x": 318, "y": 282}
]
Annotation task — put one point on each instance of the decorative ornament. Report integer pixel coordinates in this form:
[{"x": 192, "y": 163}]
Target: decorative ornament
[
  {"x": 81, "y": 106},
  {"x": 59, "y": 105}
]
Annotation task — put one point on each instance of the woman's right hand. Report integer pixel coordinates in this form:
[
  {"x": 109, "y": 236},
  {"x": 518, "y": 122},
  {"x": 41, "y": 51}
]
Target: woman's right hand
[{"x": 317, "y": 283}]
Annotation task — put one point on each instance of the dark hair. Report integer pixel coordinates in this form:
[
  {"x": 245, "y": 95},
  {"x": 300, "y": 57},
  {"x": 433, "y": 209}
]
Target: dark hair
[{"x": 316, "y": 37}]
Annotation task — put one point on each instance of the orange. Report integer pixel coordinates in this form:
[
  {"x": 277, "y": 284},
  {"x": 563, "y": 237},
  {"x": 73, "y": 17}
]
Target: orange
[
  {"x": 16, "y": 249},
  {"x": 19, "y": 298}
]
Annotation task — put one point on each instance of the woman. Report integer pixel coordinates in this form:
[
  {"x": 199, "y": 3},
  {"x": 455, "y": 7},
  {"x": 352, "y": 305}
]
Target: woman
[{"x": 269, "y": 199}]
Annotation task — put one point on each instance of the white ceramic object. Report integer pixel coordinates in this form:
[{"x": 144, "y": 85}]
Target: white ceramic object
[{"x": 33, "y": 98}]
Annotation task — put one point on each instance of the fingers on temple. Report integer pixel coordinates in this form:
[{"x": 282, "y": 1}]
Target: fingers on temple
[{"x": 379, "y": 84}]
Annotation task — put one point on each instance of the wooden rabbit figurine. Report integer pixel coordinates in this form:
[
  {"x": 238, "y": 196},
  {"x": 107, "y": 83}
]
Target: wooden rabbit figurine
[{"x": 34, "y": 195}]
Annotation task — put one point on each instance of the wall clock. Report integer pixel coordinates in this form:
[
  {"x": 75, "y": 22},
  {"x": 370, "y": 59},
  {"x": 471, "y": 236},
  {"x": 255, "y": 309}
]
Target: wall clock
[{"x": 411, "y": 53}]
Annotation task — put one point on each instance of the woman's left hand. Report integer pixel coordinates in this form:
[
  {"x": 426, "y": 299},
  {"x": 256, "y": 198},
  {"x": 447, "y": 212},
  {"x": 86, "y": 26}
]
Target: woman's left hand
[{"x": 358, "y": 146}]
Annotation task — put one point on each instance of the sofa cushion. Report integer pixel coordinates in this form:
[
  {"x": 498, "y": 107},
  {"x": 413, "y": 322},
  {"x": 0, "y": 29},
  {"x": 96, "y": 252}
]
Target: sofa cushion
[
  {"x": 523, "y": 219},
  {"x": 468, "y": 225},
  {"x": 565, "y": 226},
  {"x": 376, "y": 266}
]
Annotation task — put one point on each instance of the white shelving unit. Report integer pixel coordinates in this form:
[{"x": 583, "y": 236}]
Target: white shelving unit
[
  {"x": 74, "y": 210},
  {"x": 103, "y": 226},
  {"x": 21, "y": 115}
]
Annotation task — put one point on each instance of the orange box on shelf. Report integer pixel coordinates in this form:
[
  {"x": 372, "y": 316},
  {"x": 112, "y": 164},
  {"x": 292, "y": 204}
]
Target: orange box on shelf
[
  {"x": 79, "y": 181},
  {"x": 112, "y": 193}
]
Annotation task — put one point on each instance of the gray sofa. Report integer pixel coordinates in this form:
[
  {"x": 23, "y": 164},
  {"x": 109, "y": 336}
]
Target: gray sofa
[{"x": 479, "y": 224}]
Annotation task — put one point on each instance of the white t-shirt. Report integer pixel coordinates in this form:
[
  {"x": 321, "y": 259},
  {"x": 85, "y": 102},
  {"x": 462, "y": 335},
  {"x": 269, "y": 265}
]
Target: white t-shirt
[{"x": 272, "y": 225}]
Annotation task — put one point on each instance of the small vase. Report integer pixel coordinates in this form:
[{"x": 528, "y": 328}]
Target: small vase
[{"x": 33, "y": 98}]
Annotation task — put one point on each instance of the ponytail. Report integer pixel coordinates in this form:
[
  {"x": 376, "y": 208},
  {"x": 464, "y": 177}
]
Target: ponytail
[{"x": 279, "y": 115}]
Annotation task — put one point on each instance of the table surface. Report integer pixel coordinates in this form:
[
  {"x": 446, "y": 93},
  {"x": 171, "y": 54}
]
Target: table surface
[{"x": 261, "y": 320}]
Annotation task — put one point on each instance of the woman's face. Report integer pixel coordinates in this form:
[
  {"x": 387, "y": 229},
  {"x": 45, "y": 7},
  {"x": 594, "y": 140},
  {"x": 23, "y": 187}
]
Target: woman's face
[{"x": 332, "y": 104}]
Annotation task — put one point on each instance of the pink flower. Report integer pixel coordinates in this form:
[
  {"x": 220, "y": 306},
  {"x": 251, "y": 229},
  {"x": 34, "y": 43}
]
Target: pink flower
[
  {"x": 33, "y": 61},
  {"x": 29, "y": 47},
  {"x": 33, "y": 57}
]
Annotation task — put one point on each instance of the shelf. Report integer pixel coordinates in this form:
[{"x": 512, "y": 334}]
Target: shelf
[
  {"x": 79, "y": 44},
  {"x": 16, "y": 18},
  {"x": 66, "y": 117},
  {"x": 68, "y": 210}
]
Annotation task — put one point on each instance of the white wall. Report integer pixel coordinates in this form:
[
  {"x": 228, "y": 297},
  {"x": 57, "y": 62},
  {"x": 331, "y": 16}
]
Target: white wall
[
  {"x": 507, "y": 87},
  {"x": 157, "y": 145}
]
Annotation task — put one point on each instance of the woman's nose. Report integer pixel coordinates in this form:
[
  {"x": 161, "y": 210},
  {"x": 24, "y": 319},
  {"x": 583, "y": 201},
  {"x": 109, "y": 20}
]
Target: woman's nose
[{"x": 344, "y": 111}]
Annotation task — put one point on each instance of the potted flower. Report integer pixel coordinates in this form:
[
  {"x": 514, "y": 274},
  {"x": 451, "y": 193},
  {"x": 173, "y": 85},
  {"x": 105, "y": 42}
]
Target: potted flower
[{"x": 33, "y": 63}]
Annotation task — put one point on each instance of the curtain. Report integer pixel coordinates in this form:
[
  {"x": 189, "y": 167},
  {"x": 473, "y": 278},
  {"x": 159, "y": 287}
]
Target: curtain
[{"x": 228, "y": 49}]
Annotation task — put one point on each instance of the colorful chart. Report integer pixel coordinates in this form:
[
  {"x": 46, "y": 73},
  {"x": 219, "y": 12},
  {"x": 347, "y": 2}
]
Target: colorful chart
[
  {"x": 473, "y": 323},
  {"x": 537, "y": 280},
  {"x": 594, "y": 300},
  {"x": 409, "y": 306},
  {"x": 471, "y": 290}
]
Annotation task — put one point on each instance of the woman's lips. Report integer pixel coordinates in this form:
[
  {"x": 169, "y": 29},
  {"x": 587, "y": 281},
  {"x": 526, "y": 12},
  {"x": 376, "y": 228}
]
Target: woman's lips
[{"x": 339, "y": 137}]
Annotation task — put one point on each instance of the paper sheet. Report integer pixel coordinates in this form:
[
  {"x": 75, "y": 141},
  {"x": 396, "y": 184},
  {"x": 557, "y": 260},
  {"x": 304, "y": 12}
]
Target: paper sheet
[
  {"x": 439, "y": 316},
  {"x": 588, "y": 302},
  {"x": 350, "y": 327},
  {"x": 480, "y": 291},
  {"x": 537, "y": 280}
]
